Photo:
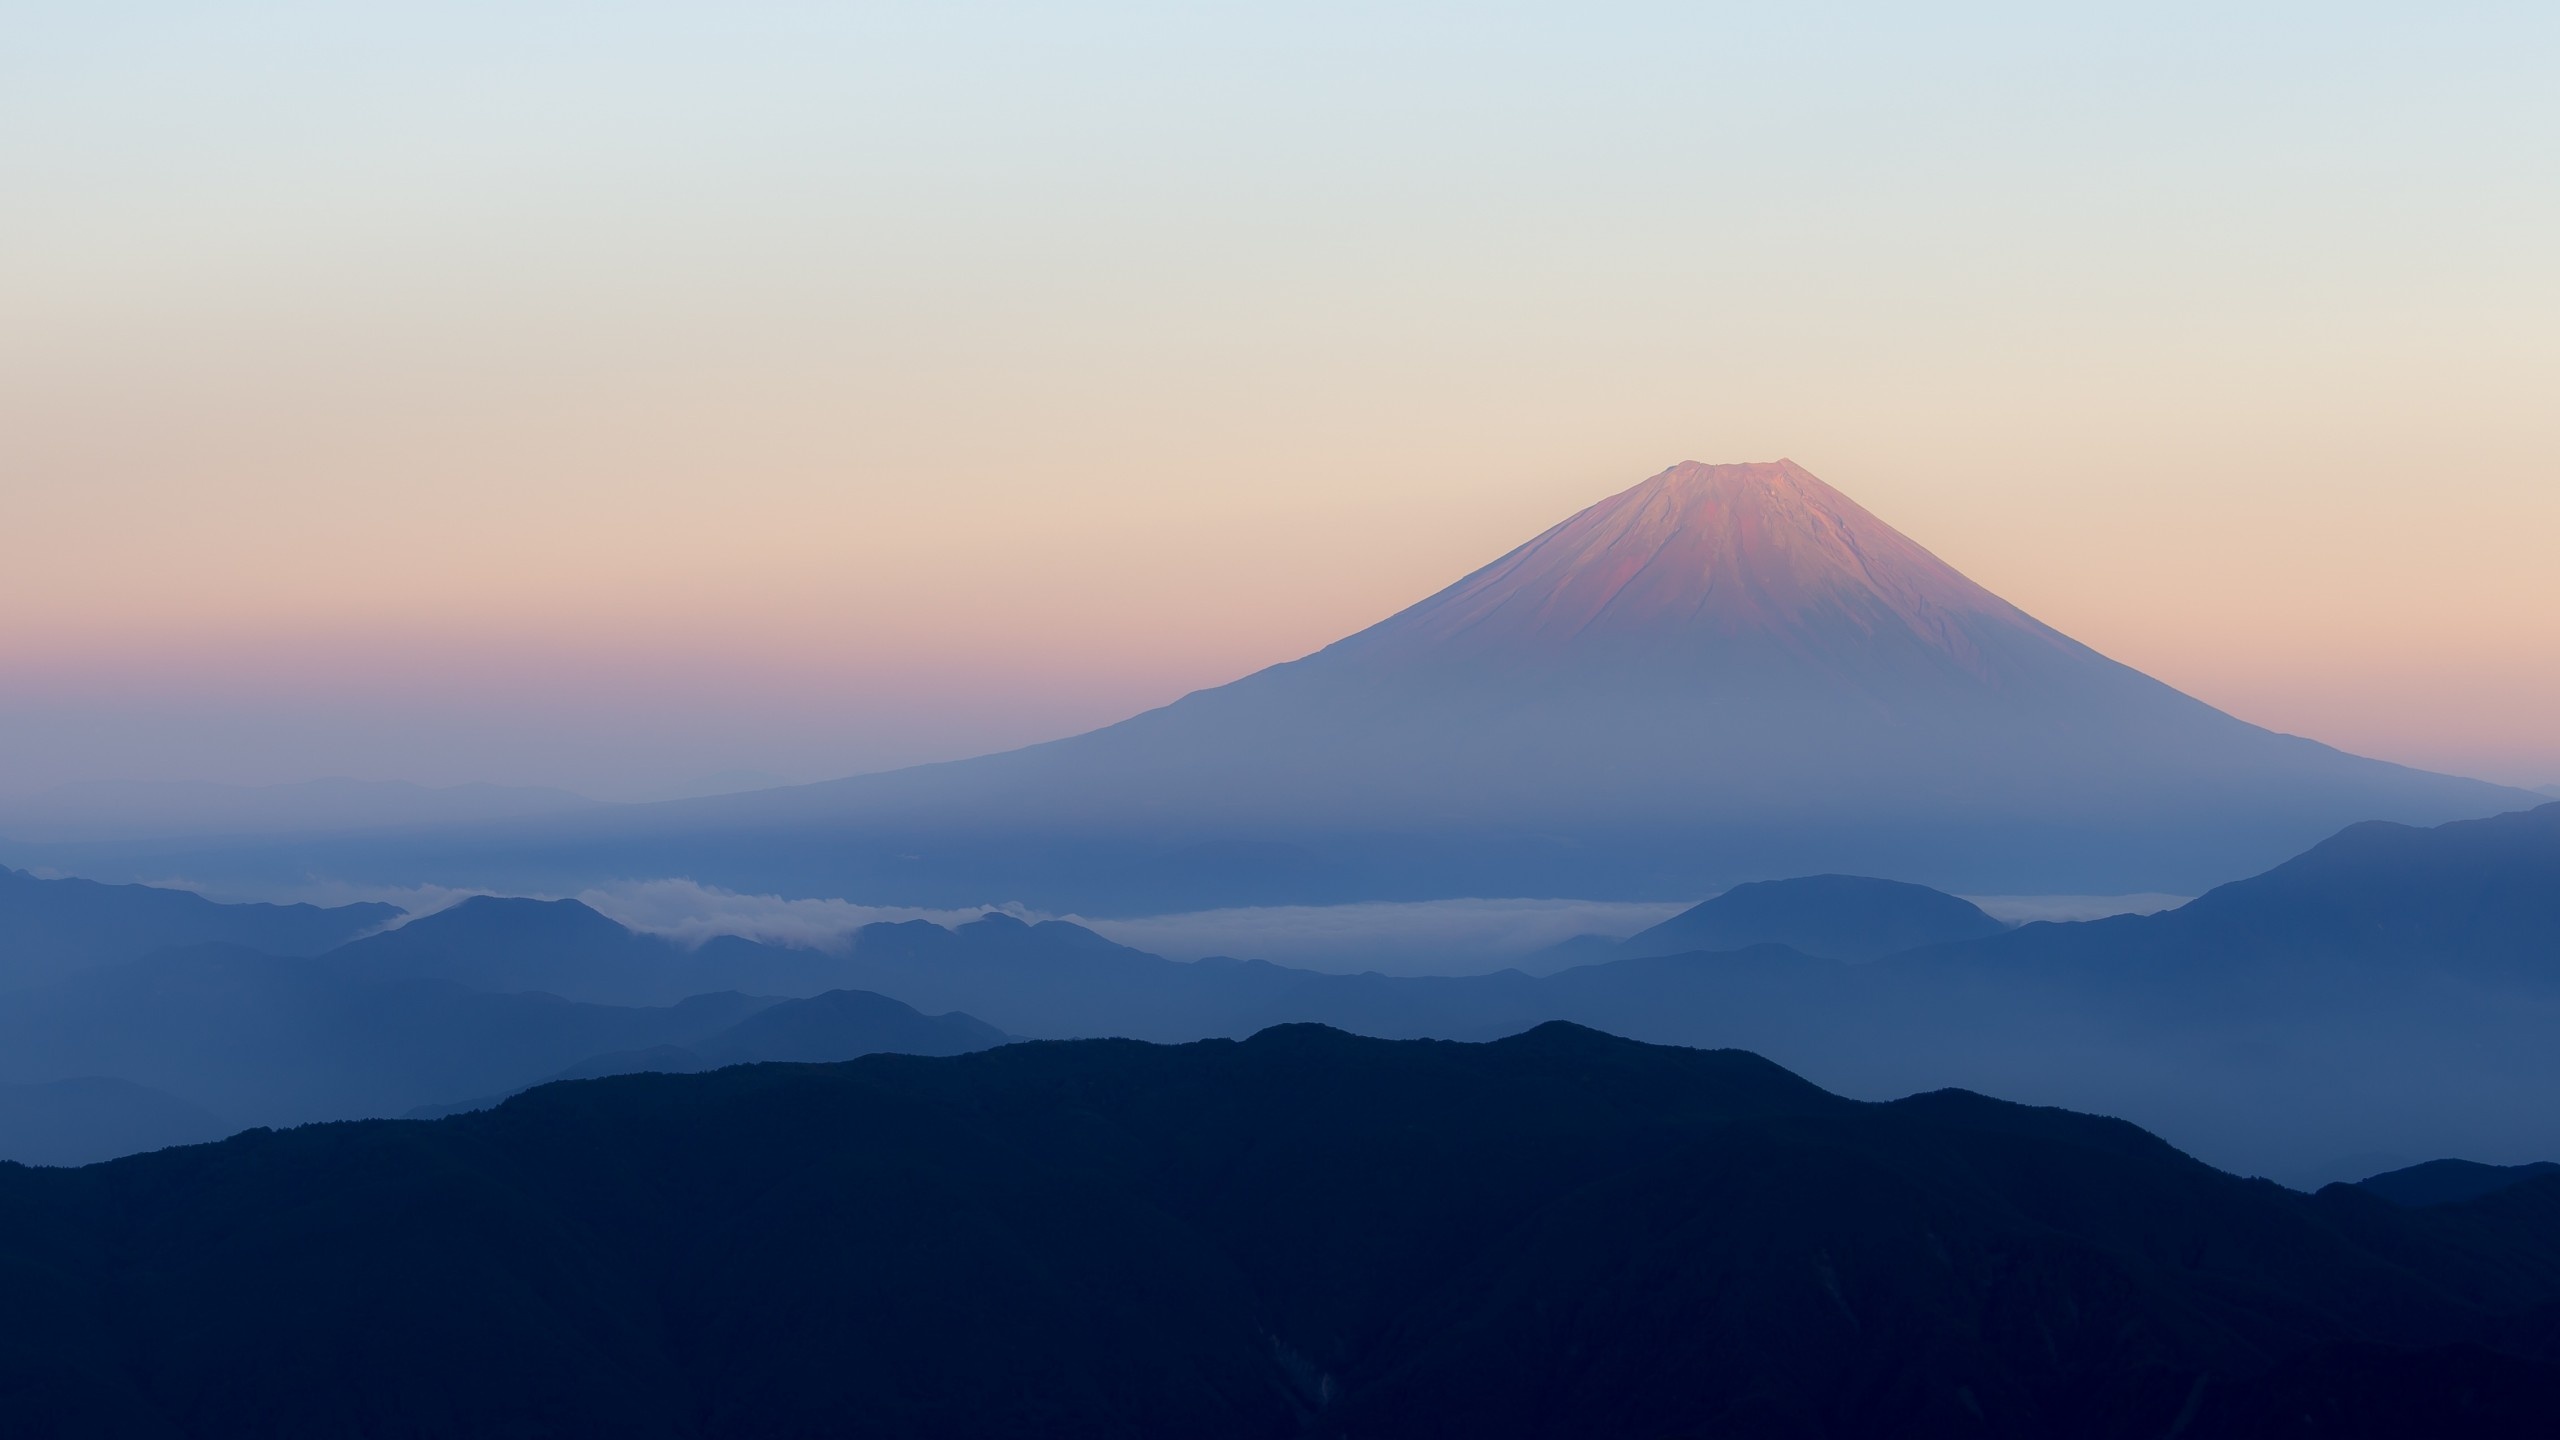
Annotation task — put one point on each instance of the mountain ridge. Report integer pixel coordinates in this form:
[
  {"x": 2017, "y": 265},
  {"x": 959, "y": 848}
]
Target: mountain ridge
[{"x": 1300, "y": 1234}]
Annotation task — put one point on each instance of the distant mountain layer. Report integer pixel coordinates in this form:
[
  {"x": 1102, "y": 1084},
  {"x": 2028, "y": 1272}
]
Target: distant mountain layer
[
  {"x": 566, "y": 948},
  {"x": 50, "y": 927},
  {"x": 2392, "y": 989},
  {"x": 1832, "y": 917},
  {"x": 1305, "y": 1234},
  {"x": 2451, "y": 1182},
  {"x": 838, "y": 1025}
]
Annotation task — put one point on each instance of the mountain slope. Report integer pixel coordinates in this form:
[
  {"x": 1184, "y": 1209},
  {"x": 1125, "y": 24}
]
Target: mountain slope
[
  {"x": 838, "y": 1025},
  {"x": 1052, "y": 978},
  {"x": 1836, "y": 917},
  {"x": 2478, "y": 898},
  {"x": 266, "y": 1040},
  {"x": 2391, "y": 991},
  {"x": 54, "y": 927},
  {"x": 1304, "y": 1234},
  {"x": 2451, "y": 1182}
]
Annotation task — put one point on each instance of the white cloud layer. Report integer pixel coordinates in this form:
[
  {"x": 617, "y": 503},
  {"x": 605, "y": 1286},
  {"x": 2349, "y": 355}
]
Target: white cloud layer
[
  {"x": 2026, "y": 909},
  {"x": 1424, "y": 937}
]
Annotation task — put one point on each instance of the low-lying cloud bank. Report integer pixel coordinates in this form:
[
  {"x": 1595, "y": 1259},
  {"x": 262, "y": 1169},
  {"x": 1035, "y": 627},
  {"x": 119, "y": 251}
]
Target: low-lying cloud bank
[
  {"x": 2027, "y": 909},
  {"x": 1423, "y": 937},
  {"x": 693, "y": 913}
]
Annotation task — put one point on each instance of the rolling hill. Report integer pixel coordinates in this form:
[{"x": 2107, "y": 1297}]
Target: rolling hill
[{"x": 1304, "y": 1234}]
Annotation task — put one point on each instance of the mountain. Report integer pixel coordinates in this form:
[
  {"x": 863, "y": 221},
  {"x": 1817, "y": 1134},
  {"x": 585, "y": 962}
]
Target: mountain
[
  {"x": 1060, "y": 979},
  {"x": 558, "y": 947},
  {"x": 2479, "y": 898},
  {"x": 839, "y": 1025},
  {"x": 102, "y": 810},
  {"x": 1727, "y": 673},
  {"x": 1304, "y": 1234},
  {"x": 2391, "y": 989},
  {"x": 844, "y": 1025},
  {"x": 51, "y": 927},
  {"x": 2451, "y": 1182},
  {"x": 268, "y": 1040},
  {"x": 195, "y": 1033},
  {"x": 1837, "y": 917}
]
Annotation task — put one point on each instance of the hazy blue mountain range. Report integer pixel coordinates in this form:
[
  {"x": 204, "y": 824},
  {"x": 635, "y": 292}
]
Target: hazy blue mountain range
[
  {"x": 2392, "y": 989},
  {"x": 264, "y": 1040},
  {"x": 1727, "y": 673},
  {"x": 838, "y": 1025},
  {"x": 1304, "y": 1234},
  {"x": 50, "y": 927},
  {"x": 2451, "y": 1182},
  {"x": 1829, "y": 917},
  {"x": 268, "y": 1040}
]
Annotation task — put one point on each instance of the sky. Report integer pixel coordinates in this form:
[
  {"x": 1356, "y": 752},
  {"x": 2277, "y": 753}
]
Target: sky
[{"x": 617, "y": 396}]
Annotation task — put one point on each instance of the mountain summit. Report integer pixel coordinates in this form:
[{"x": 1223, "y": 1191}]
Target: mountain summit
[
  {"x": 1701, "y": 556},
  {"x": 1726, "y": 673}
]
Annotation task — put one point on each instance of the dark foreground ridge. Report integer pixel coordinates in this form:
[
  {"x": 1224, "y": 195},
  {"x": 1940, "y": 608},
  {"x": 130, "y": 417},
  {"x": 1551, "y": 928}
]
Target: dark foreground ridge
[{"x": 1305, "y": 1233}]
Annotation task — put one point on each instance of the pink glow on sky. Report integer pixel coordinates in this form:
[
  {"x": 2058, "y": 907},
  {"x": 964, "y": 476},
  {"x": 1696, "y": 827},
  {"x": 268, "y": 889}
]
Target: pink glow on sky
[{"x": 604, "y": 396}]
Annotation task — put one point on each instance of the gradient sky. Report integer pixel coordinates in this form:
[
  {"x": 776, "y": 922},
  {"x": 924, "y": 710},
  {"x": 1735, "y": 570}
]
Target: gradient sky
[{"x": 607, "y": 395}]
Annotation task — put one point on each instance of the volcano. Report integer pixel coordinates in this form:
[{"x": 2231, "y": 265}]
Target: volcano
[{"x": 1725, "y": 673}]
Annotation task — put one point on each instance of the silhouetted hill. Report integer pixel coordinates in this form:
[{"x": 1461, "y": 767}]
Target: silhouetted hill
[
  {"x": 1836, "y": 917},
  {"x": 2449, "y": 1182},
  {"x": 91, "y": 1118},
  {"x": 1305, "y": 1234},
  {"x": 52, "y": 927}
]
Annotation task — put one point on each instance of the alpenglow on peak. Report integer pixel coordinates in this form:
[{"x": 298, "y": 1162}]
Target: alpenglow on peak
[
  {"x": 1713, "y": 556},
  {"x": 1724, "y": 673}
]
